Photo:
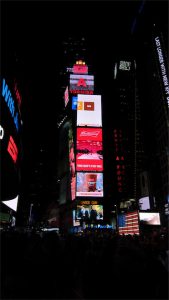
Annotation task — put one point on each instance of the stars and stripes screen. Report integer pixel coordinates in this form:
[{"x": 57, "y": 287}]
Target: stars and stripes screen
[{"x": 128, "y": 223}]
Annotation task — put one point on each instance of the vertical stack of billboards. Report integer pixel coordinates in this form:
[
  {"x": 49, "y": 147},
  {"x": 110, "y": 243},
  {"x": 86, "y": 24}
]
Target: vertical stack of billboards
[{"x": 88, "y": 144}]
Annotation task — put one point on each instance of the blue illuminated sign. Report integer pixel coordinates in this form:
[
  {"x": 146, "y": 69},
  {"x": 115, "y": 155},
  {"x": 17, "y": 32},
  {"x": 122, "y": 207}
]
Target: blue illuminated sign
[
  {"x": 10, "y": 103},
  {"x": 74, "y": 102}
]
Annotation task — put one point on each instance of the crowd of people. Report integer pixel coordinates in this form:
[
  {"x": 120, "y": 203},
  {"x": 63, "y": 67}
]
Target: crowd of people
[{"x": 94, "y": 264}]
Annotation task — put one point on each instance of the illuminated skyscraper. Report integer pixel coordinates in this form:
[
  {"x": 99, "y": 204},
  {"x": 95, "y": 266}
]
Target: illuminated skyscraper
[
  {"x": 80, "y": 167},
  {"x": 151, "y": 37},
  {"x": 127, "y": 160}
]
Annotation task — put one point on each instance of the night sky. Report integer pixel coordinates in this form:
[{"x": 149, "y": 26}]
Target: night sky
[{"x": 32, "y": 36}]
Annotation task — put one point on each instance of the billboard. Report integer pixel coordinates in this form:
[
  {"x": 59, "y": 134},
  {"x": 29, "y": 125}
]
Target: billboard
[
  {"x": 128, "y": 223},
  {"x": 74, "y": 102},
  {"x": 144, "y": 203},
  {"x": 89, "y": 184},
  {"x": 149, "y": 218},
  {"x": 81, "y": 82},
  {"x": 89, "y": 151},
  {"x": 89, "y": 111},
  {"x": 89, "y": 213},
  {"x": 80, "y": 69}
]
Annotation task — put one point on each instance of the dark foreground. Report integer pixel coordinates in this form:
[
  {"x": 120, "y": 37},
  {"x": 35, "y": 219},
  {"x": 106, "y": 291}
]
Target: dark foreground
[{"x": 94, "y": 265}]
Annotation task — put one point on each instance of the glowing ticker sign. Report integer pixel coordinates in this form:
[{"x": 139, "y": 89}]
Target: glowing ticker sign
[{"x": 163, "y": 68}]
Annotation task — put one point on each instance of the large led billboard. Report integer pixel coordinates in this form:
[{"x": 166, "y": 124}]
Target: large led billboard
[
  {"x": 88, "y": 212},
  {"x": 81, "y": 82},
  {"x": 128, "y": 223},
  {"x": 89, "y": 111},
  {"x": 149, "y": 218},
  {"x": 89, "y": 151},
  {"x": 74, "y": 102},
  {"x": 80, "y": 69},
  {"x": 89, "y": 184}
]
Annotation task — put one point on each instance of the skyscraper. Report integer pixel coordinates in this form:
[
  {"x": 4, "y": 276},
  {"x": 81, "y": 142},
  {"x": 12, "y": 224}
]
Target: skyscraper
[
  {"x": 151, "y": 36},
  {"x": 80, "y": 169},
  {"x": 127, "y": 134}
]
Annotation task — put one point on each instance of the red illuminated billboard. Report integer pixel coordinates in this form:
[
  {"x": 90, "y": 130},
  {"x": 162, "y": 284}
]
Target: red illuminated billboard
[
  {"x": 80, "y": 69},
  {"x": 89, "y": 155},
  {"x": 89, "y": 184}
]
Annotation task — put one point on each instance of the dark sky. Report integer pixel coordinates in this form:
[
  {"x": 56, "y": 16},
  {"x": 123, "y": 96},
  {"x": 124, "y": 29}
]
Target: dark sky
[
  {"x": 33, "y": 32},
  {"x": 32, "y": 35}
]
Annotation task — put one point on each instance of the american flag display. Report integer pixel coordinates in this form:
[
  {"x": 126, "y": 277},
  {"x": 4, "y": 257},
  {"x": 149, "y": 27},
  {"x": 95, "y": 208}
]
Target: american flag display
[{"x": 128, "y": 223}]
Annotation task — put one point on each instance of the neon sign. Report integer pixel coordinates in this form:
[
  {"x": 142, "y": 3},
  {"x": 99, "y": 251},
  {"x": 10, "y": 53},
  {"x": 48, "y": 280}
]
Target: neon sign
[
  {"x": 12, "y": 149},
  {"x": 163, "y": 68},
  {"x": 10, "y": 103},
  {"x": 86, "y": 92}
]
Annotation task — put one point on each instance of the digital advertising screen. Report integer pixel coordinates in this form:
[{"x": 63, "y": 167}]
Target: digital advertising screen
[
  {"x": 144, "y": 203},
  {"x": 89, "y": 212},
  {"x": 128, "y": 223},
  {"x": 89, "y": 184},
  {"x": 80, "y": 69},
  {"x": 150, "y": 218},
  {"x": 81, "y": 82},
  {"x": 74, "y": 102},
  {"x": 89, "y": 111},
  {"x": 89, "y": 151}
]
